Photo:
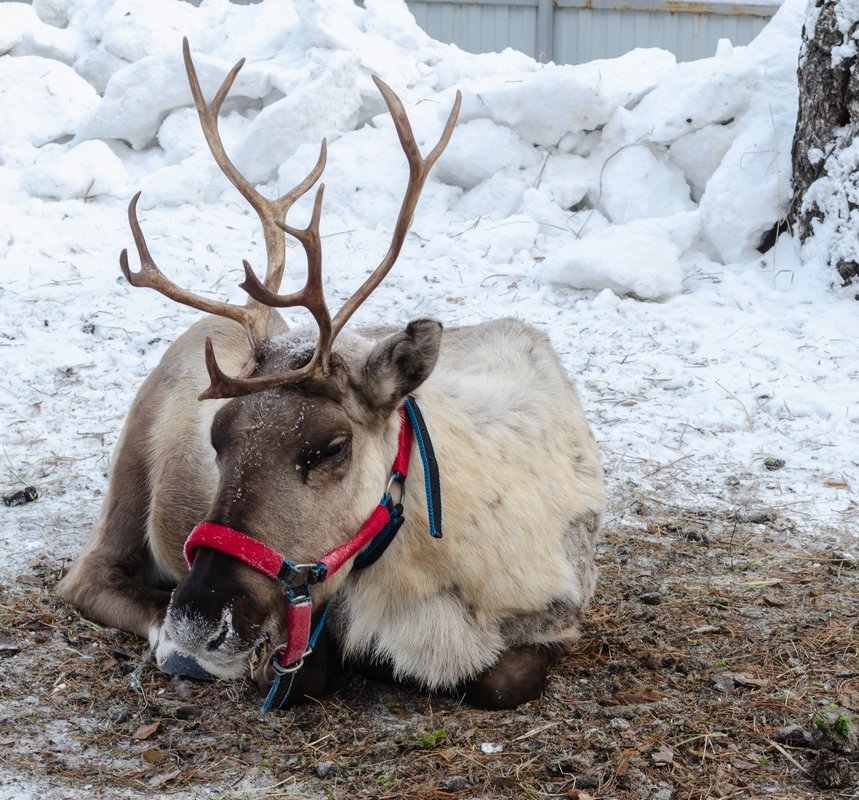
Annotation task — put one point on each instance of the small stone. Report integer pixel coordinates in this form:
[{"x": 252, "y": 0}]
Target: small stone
[
  {"x": 636, "y": 783},
  {"x": 696, "y": 535},
  {"x": 690, "y": 665},
  {"x": 454, "y": 783},
  {"x": 325, "y": 769},
  {"x": 117, "y": 714},
  {"x": 27, "y": 495},
  {"x": 723, "y": 683},
  {"x": 590, "y": 780},
  {"x": 793, "y": 736},
  {"x": 569, "y": 765},
  {"x": 662, "y": 791}
]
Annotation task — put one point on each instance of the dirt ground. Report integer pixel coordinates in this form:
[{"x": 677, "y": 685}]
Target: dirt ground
[{"x": 717, "y": 662}]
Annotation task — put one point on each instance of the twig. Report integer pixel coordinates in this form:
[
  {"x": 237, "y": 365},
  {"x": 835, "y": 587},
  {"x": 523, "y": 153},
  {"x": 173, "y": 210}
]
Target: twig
[
  {"x": 535, "y": 731},
  {"x": 787, "y": 755},
  {"x": 742, "y": 405}
]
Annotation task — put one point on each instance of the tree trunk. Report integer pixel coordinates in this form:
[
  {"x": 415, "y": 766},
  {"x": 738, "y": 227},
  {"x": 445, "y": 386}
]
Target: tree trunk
[{"x": 825, "y": 150}]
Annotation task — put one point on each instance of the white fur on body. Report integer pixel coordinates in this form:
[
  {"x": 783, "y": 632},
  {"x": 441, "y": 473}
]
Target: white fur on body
[
  {"x": 522, "y": 497},
  {"x": 521, "y": 490}
]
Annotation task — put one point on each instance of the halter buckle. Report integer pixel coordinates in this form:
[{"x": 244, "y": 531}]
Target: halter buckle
[{"x": 295, "y": 576}]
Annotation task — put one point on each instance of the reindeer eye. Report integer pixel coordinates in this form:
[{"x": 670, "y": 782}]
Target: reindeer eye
[
  {"x": 334, "y": 452},
  {"x": 335, "y": 449}
]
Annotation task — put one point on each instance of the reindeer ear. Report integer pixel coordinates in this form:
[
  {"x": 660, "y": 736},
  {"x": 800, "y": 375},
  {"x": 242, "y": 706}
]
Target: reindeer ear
[{"x": 401, "y": 362}]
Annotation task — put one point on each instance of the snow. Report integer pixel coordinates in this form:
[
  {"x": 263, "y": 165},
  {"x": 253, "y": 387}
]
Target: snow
[{"x": 618, "y": 205}]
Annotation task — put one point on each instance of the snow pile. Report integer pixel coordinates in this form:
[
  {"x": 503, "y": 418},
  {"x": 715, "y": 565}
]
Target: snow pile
[
  {"x": 568, "y": 195},
  {"x": 570, "y": 148}
]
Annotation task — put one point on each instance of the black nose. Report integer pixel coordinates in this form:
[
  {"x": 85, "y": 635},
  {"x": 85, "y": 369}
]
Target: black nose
[{"x": 212, "y": 609}]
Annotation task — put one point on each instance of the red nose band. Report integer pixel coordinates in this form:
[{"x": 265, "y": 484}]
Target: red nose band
[{"x": 236, "y": 544}]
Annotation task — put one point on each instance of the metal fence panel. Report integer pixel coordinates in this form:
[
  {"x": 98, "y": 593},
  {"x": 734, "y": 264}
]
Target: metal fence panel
[
  {"x": 575, "y": 31},
  {"x": 479, "y": 27},
  {"x": 583, "y": 34}
]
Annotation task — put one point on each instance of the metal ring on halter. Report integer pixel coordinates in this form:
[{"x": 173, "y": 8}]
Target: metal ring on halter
[
  {"x": 400, "y": 481},
  {"x": 294, "y": 667}
]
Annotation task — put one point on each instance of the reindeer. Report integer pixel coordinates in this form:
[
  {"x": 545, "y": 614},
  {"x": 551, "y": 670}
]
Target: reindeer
[{"x": 282, "y": 443}]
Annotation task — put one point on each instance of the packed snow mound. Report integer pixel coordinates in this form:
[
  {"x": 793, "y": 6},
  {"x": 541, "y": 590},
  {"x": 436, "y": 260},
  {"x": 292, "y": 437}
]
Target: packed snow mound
[
  {"x": 24, "y": 34},
  {"x": 482, "y": 149},
  {"x": 640, "y": 182},
  {"x": 85, "y": 171},
  {"x": 639, "y": 137},
  {"x": 638, "y": 258},
  {"x": 543, "y": 107},
  {"x": 61, "y": 96}
]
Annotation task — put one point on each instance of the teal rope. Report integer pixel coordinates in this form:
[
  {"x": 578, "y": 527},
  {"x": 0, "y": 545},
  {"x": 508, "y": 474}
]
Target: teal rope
[{"x": 434, "y": 514}]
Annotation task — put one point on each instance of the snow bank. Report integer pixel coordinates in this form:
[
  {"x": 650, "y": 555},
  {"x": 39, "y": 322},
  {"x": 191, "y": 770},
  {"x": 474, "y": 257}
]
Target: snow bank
[
  {"x": 59, "y": 97},
  {"x": 638, "y": 137}
]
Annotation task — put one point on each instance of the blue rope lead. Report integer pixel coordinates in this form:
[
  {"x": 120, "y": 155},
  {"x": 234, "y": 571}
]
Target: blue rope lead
[{"x": 432, "y": 479}]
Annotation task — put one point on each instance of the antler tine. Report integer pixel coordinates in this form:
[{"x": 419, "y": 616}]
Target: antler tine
[
  {"x": 223, "y": 386},
  {"x": 270, "y": 212},
  {"x": 419, "y": 169},
  {"x": 311, "y": 297},
  {"x": 151, "y": 277}
]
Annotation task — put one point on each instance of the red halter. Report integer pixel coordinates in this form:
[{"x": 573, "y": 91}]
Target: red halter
[{"x": 296, "y": 578}]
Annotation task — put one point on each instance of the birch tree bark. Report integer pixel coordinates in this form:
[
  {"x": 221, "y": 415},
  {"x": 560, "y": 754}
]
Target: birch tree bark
[{"x": 825, "y": 154}]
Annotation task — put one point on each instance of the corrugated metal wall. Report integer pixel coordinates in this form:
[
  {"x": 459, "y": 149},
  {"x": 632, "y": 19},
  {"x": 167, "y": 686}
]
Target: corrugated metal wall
[
  {"x": 479, "y": 27},
  {"x": 582, "y": 30}
]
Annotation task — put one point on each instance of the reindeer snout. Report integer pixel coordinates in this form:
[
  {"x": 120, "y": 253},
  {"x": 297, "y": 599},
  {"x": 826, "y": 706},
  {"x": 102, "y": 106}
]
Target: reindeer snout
[
  {"x": 194, "y": 631},
  {"x": 216, "y": 641},
  {"x": 212, "y": 644},
  {"x": 214, "y": 615}
]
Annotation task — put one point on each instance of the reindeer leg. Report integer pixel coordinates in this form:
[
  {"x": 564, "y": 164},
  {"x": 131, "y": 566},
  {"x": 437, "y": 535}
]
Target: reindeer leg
[
  {"x": 518, "y": 676},
  {"x": 105, "y": 588},
  {"x": 113, "y": 581}
]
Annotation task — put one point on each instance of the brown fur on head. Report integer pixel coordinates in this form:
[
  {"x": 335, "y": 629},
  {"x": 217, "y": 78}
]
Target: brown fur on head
[{"x": 301, "y": 467}]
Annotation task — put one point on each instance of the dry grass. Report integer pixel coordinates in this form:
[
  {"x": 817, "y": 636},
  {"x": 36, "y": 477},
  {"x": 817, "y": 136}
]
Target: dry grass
[{"x": 704, "y": 643}]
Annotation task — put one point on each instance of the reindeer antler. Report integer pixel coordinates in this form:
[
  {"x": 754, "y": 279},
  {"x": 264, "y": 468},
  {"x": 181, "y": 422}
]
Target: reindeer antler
[
  {"x": 263, "y": 295},
  {"x": 419, "y": 169}
]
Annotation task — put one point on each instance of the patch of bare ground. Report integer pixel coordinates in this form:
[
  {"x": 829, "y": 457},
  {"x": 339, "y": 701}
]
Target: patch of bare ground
[{"x": 717, "y": 662}]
